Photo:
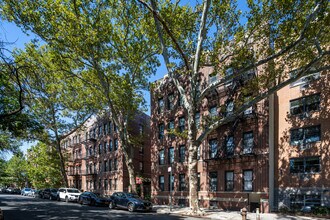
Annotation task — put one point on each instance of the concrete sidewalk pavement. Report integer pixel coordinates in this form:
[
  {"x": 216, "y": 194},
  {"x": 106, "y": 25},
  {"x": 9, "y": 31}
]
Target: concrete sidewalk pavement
[{"x": 228, "y": 215}]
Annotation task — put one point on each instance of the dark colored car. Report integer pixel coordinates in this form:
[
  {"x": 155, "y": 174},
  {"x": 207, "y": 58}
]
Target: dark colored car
[
  {"x": 129, "y": 201},
  {"x": 89, "y": 198},
  {"x": 49, "y": 194}
]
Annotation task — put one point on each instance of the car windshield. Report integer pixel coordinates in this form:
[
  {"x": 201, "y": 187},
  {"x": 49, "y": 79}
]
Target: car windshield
[
  {"x": 27, "y": 189},
  {"x": 129, "y": 195},
  {"x": 53, "y": 190},
  {"x": 73, "y": 191}
]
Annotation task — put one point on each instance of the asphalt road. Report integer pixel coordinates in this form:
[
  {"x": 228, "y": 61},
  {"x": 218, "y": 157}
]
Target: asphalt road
[{"x": 17, "y": 207}]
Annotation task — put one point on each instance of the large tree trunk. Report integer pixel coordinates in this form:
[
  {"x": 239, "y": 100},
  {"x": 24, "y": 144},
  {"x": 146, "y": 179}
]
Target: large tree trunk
[
  {"x": 192, "y": 172},
  {"x": 62, "y": 164},
  {"x": 131, "y": 174}
]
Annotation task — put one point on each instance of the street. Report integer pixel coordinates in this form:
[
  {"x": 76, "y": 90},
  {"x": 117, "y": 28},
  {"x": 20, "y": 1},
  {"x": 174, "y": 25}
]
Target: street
[{"x": 17, "y": 207}]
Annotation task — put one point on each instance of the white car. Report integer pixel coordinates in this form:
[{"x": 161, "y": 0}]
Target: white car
[{"x": 68, "y": 194}]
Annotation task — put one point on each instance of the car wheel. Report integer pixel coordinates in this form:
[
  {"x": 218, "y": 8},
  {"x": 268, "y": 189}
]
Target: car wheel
[
  {"x": 111, "y": 205},
  {"x": 92, "y": 203},
  {"x": 66, "y": 199},
  {"x": 58, "y": 198},
  {"x": 130, "y": 207}
]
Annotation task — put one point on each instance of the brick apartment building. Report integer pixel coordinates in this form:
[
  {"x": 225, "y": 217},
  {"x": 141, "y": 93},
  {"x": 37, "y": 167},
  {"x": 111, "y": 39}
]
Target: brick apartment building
[
  {"x": 96, "y": 162},
  {"x": 252, "y": 162},
  {"x": 301, "y": 141},
  {"x": 233, "y": 160}
]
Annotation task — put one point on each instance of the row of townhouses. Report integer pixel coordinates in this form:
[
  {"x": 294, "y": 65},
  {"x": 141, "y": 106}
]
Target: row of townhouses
[{"x": 275, "y": 154}]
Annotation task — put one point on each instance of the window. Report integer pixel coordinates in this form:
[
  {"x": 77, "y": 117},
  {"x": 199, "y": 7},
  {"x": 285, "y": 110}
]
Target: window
[
  {"x": 171, "y": 128},
  {"x": 298, "y": 201},
  {"x": 115, "y": 184},
  {"x": 247, "y": 180},
  {"x": 110, "y": 184},
  {"x": 228, "y": 73},
  {"x": 248, "y": 142},
  {"x": 170, "y": 182},
  {"x": 213, "y": 176},
  {"x": 170, "y": 100},
  {"x": 213, "y": 148},
  {"x": 100, "y": 167},
  {"x": 170, "y": 155},
  {"x": 197, "y": 119},
  {"x": 182, "y": 182},
  {"x": 181, "y": 124},
  {"x": 109, "y": 127},
  {"x": 161, "y": 183},
  {"x": 212, "y": 78},
  {"x": 213, "y": 111},
  {"x": 305, "y": 135},
  {"x": 229, "y": 108},
  {"x": 160, "y": 105},
  {"x": 305, "y": 165},
  {"x": 105, "y": 128},
  {"x": 116, "y": 144},
  {"x": 105, "y": 166},
  {"x": 305, "y": 104},
  {"x": 141, "y": 129},
  {"x": 304, "y": 81},
  {"x": 141, "y": 166},
  {"x": 249, "y": 110},
  {"x": 110, "y": 146},
  {"x": 105, "y": 184},
  {"x": 100, "y": 131},
  {"x": 161, "y": 157},
  {"x": 115, "y": 164},
  {"x": 161, "y": 131},
  {"x": 110, "y": 165},
  {"x": 105, "y": 147},
  {"x": 100, "y": 148},
  {"x": 230, "y": 146},
  {"x": 229, "y": 179},
  {"x": 198, "y": 181},
  {"x": 182, "y": 152}
]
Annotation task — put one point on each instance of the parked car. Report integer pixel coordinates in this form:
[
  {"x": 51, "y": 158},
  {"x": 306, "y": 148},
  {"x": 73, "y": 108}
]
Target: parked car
[
  {"x": 129, "y": 201},
  {"x": 25, "y": 191},
  {"x": 40, "y": 193},
  {"x": 90, "y": 198},
  {"x": 31, "y": 193},
  {"x": 16, "y": 191},
  {"x": 49, "y": 193},
  {"x": 68, "y": 194}
]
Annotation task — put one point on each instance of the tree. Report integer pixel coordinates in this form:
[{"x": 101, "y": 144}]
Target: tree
[
  {"x": 106, "y": 41},
  {"x": 43, "y": 166},
  {"x": 15, "y": 121},
  {"x": 55, "y": 102},
  {"x": 279, "y": 39},
  {"x": 16, "y": 170}
]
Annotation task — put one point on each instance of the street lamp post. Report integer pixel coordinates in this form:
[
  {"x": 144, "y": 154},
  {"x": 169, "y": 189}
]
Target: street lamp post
[{"x": 170, "y": 171}]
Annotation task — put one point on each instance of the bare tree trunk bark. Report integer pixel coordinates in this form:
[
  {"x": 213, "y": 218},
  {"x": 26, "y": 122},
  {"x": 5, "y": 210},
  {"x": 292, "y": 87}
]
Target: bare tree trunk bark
[
  {"x": 62, "y": 164},
  {"x": 192, "y": 172}
]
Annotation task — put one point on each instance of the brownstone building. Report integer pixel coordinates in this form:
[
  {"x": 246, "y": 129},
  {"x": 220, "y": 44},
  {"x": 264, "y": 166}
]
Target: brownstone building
[
  {"x": 96, "y": 162},
  {"x": 276, "y": 154}
]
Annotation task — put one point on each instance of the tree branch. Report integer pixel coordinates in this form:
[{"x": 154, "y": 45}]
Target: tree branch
[{"x": 308, "y": 69}]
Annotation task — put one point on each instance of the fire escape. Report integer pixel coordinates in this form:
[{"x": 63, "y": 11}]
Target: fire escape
[{"x": 227, "y": 149}]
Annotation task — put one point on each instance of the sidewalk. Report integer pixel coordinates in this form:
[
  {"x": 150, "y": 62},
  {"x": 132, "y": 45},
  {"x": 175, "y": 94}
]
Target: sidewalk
[{"x": 229, "y": 215}]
